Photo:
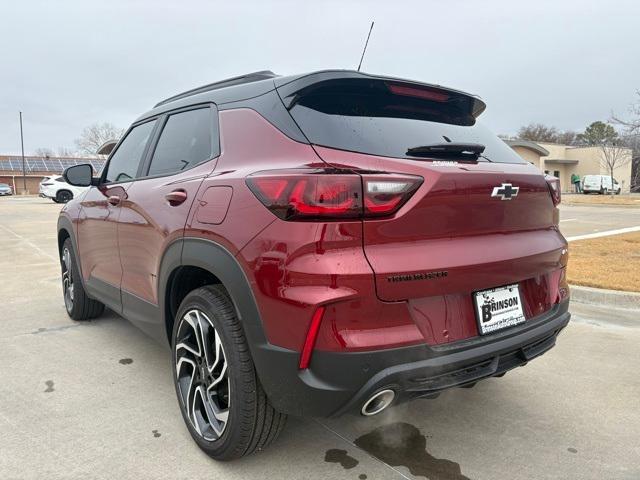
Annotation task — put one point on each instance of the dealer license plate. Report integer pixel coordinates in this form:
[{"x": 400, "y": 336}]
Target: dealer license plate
[{"x": 498, "y": 308}]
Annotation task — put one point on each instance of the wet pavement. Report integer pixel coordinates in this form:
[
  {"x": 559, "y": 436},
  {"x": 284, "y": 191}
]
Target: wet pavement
[{"x": 96, "y": 400}]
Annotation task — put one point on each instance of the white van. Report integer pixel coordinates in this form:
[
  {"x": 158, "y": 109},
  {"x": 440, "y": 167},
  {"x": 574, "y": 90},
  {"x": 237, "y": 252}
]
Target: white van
[{"x": 600, "y": 184}]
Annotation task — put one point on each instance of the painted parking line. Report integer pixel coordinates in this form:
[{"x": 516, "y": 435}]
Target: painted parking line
[
  {"x": 606, "y": 233},
  {"x": 28, "y": 242},
  {"x": 569, "y": 220}
]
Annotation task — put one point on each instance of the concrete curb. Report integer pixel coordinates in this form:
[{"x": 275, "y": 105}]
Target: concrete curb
[{"x": 600, "y": 296}]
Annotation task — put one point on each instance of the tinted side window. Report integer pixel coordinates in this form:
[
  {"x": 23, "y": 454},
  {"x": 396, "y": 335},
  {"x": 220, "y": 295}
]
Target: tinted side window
[
  {"x": 185, "y": 141},
  {"x": 124, "y": 163}
]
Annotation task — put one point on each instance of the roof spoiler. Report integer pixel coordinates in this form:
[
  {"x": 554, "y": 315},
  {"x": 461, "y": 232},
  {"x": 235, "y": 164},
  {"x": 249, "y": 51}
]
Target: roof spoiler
[{"x": 291, "y": 90}]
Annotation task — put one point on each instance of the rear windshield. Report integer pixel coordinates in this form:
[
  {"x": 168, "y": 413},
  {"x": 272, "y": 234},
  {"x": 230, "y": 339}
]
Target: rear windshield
[{"x": 369, "y": 119}]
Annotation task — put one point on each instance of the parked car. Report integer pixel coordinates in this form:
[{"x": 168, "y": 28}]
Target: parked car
[
  {"x": 600, "y": 184},
  {"x": 5, "y": 189},
  {"x": 57, "y": 189},
  {"x": 316, "y": 245}
]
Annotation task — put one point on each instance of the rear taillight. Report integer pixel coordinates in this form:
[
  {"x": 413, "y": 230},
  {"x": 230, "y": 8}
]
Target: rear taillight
[
  {"x": 554, "y": 188},
  {"x": 384, "y": 196},
  {"x": 325, "y": 195},
  {"x": 294, "y": 196}
]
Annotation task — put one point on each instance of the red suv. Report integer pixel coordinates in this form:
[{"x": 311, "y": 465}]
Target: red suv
[{"x": 317, "y": 244}]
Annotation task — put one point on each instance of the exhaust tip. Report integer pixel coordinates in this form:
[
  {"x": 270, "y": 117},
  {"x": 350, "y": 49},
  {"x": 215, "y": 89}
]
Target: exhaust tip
[{"x": 378, "y": 402}]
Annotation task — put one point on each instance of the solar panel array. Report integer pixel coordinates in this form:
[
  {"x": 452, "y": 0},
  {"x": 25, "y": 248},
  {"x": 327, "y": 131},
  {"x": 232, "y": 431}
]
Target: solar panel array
[{"x": 46, "y": 164}]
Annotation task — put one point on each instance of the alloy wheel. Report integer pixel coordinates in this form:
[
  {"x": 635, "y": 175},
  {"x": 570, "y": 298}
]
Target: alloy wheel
[
  {"x": 67, "y": 279},
  {"x": 202, "y": 375}
]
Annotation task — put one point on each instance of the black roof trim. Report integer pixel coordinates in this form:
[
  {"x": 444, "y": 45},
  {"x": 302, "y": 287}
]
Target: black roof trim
[
  {"x": 229, "y": 82},
  {"x": 252, "y": 85}
]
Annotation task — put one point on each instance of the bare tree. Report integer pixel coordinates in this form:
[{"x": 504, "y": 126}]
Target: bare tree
[
  {"x": 632, "y": 125},
  {"x": 43, "y": 152},
  {"x": 568, "y": 137},
  {"x": 59, "y": 152},
  {"x": 95, "y": 135},
  {"x": 66, "y": 152},
  {"x": 613, "y": 154},
  {"x": 537, "y": 132}
]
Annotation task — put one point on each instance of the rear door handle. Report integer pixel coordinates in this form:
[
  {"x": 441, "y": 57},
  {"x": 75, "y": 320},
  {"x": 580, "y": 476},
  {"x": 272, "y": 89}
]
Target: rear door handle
[
  {"x": 114, "y": 200},
  {"x": 176, "y": 197}
]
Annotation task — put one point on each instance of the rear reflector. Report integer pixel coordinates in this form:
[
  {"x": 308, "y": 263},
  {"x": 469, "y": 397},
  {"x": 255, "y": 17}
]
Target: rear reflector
[
  {"x": 325, "y": 195},
  {"x": 554, "y": 188},
  {"x": 310, "y": 341}
]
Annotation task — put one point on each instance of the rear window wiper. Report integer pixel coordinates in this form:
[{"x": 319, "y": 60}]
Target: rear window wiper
[{"x": 448, "y": 150}]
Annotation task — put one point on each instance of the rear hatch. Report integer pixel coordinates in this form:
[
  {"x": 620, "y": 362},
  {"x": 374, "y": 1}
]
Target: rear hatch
[{"x": 483, "y": 217}]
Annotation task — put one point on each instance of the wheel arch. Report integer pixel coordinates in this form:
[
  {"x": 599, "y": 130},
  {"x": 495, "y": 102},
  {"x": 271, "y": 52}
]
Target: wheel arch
[
  {"x": 63, "y": 234},
  {"x": 276, "y": 367},
  {"x": 194, "y": 262},
  {"x": 65, "y": 230}
]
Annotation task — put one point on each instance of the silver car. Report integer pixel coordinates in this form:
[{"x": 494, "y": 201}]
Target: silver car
[{"x": 5, "y": 189}]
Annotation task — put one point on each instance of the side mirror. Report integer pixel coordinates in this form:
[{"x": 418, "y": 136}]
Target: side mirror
[{"x": 79, "y": 175}]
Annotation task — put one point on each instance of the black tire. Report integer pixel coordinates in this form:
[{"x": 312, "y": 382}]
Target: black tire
[
  {"x": 63, "y": 196},
  {"x": 251, "y": 423},
  {"x": 76, "y": 301}
]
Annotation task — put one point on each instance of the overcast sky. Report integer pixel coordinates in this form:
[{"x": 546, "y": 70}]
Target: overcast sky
[{"x": 67, "y": 64}]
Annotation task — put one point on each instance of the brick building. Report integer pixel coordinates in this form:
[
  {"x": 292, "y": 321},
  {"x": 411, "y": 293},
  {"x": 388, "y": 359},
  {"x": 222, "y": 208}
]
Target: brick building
[{"x": 36, "y": 168}]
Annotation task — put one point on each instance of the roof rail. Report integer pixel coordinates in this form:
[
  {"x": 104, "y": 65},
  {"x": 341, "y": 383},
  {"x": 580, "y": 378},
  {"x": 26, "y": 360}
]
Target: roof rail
[{"x": 246, "y": 78}]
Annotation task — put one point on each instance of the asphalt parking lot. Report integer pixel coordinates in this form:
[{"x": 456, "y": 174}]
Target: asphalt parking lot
[
  {"x": 585, "y": 219},
  {"x": 96, "y": 400}
]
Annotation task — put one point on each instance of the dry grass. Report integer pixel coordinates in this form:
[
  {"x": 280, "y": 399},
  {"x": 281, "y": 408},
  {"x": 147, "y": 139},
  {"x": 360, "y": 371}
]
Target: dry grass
[
  {"x": 607, "y": 262},
  {"x": 591, "y": 199}
]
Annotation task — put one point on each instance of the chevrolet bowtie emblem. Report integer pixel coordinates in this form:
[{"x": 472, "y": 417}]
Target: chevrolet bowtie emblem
[{"x": 506, "y": 191}]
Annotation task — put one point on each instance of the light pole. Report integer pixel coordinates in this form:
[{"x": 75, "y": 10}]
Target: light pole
[{"x": 24, "y": 172}]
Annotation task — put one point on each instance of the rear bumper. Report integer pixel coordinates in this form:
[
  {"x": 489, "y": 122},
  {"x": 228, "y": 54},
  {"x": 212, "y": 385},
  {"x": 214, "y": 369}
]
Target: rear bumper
[{"x": 338, "y": 383}]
